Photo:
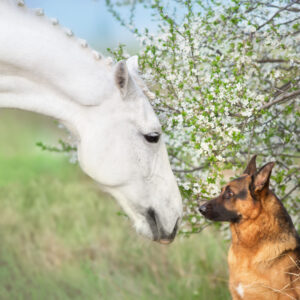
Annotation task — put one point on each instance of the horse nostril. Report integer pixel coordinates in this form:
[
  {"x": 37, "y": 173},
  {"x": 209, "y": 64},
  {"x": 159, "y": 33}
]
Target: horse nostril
[
  {"x": 151, "y": 216},
  {"x": 153, "y": 223},
  {"x": 203, "y": 209}
]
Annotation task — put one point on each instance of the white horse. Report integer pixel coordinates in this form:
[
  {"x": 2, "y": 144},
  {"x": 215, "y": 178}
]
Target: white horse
[{"x": 45, "y": 69}]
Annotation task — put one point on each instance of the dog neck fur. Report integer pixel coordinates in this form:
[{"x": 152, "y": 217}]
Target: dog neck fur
[{"x": 256, "y": 236}]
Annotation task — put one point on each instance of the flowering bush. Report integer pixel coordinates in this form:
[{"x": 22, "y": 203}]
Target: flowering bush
[{"x": 226, "y": 77}]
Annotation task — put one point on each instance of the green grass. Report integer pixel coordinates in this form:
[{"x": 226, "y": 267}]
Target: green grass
[{"x": 61, "y": 238}]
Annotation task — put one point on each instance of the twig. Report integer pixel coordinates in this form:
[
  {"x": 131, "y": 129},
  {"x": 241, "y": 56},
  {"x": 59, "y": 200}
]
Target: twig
[
  {"x": 271, "y": 60},
  {"x": 285, "y": 97},
  {"x": 189, "y": 170},
  {"x": 291, "y": 191},
  {"x": 276, "y": 14}
]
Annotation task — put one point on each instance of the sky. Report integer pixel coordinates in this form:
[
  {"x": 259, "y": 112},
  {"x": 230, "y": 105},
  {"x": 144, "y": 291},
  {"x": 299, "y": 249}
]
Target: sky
[{"x": 90, "y": 20}]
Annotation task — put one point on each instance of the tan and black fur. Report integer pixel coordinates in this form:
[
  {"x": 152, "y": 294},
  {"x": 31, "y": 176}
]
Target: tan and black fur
[{"x": 264, "y": 257}]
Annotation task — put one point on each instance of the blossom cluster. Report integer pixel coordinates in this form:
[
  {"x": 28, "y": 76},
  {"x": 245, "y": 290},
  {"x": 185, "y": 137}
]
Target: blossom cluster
[
  {"x": 226, "y": 79},
  {"x": 227, "y": 82}
]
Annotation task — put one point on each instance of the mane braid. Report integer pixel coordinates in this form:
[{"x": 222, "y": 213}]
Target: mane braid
[
  {"x": 108, "y": 61},
  {"x": 83, "y": 43},
  {"x": 38, "y": 47}
]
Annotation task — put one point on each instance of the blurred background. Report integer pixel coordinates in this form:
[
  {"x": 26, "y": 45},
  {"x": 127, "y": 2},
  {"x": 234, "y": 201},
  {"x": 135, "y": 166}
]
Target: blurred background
[
  {"x": 60, "y": 237},
  {"x": 91, "y": 20}
]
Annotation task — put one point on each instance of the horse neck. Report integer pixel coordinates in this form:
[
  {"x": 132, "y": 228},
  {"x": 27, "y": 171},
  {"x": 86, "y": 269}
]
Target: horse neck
[{"x": 45, "y": 70}]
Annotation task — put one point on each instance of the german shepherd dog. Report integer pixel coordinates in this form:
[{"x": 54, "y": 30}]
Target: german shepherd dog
[{"x": 264, "y": 257}]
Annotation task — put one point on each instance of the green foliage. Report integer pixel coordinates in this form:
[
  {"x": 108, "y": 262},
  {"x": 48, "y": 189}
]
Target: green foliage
[{"x": 63, "y": 147}]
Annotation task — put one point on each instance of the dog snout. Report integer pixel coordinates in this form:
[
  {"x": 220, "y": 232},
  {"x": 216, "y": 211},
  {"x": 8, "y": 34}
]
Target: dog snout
[{"x": 203, "y": 209}]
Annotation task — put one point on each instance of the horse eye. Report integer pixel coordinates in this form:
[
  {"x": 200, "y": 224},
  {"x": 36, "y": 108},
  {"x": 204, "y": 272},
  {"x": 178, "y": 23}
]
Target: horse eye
[{"x": 152, "y": 137}]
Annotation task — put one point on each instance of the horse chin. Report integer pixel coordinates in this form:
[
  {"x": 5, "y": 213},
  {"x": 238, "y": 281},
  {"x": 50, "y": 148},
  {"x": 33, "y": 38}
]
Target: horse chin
[
  {"x": 142, "y": 227},
  {"x": 149, "y": 227},
  {"x": 146, "y": 232},
  {"x": 165, "y": 242}
]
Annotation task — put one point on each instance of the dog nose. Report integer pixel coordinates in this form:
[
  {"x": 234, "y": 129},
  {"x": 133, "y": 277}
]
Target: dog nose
[{"x": 203, "y": 209}]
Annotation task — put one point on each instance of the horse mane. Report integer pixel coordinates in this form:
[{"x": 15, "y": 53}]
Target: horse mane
[{"x": 38, "y": 47}]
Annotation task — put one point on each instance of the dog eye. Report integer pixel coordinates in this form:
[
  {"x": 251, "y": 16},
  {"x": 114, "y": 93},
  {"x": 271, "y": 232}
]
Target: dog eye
[
  {"x": 228, "y": 194},
  {"x": 152, "y": 137}
]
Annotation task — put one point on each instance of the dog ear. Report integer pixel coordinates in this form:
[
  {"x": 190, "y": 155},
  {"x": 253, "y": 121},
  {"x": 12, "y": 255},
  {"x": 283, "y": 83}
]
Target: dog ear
[
  {"x": 262, "y": 177},
  {"x": 251, "y": 167}
]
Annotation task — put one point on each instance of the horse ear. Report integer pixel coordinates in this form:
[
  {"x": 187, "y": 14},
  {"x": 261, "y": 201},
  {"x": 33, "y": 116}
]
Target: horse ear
[
  {"x": 133, "y": 64},
  {"x": 251, "y": 167},
  {"x": 122, "y": 77},
  {"x": 262, "y": 177}
]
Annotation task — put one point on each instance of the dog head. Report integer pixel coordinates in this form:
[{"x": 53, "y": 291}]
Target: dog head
[{"x": 241, "y": 198}]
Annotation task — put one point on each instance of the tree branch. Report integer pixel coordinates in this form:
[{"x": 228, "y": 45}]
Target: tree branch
[
  {"x": 189, "y": 170},
  {"x": 292, "y": 9},
  {"x": 275, "y": 15},
  {"x": 271, "y": 60},
  {"x": 285, "y": 87},
  {"x": 290, "y": 192},
  {"x": 288, "y": 22},
  {"x": 283, "y": 98}
]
